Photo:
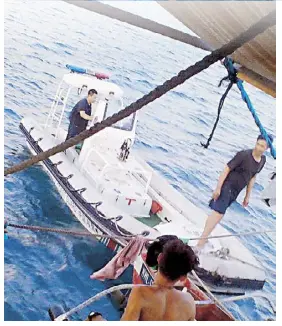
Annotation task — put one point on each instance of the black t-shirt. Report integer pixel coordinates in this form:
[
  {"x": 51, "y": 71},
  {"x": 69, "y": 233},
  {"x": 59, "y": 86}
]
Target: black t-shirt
[
  {"x": 75, "y": 117},
  {"x": 243, "y": 167}
]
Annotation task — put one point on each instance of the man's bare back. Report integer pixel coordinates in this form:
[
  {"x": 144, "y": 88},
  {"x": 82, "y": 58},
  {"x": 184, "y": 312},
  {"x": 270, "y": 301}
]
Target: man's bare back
[{"x": 159, "y": 303}]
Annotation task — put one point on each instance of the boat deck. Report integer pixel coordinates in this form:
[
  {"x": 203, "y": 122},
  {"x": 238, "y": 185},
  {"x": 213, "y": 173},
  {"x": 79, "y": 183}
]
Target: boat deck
[
  {"x": 151, "y": 221},
  {"x": 109, "y": 172}
]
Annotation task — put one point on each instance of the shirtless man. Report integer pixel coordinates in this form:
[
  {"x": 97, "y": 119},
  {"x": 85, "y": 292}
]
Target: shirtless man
[{"x": 162, "y": 302}]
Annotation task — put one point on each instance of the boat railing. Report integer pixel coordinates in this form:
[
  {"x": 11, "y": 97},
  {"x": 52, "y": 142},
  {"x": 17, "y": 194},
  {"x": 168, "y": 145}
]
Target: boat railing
[
  {"x": 59, "y": 99},
  {"x": 62, "y": 111},
  {"x": 54, "y": 104}
]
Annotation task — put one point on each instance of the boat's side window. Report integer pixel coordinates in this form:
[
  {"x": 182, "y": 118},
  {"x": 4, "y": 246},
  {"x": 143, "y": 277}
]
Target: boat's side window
[{"x": 112, "y": 107}]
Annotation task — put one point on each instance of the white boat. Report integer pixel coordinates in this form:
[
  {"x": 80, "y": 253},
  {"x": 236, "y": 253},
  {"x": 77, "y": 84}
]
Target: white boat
[
  {"x": 112, "y": 191},
  {"x": 269, "y": 193}
]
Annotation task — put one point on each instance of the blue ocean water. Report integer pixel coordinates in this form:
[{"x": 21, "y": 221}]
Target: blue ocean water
[{"x": 40, "y": 38}]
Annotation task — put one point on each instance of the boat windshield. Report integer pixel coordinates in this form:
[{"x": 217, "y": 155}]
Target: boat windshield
[{"x": 112, "y": 107}]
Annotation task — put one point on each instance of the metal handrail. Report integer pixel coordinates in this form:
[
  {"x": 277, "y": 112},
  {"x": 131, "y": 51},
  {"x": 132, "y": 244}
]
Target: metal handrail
[{"x": 63, "y": 110}]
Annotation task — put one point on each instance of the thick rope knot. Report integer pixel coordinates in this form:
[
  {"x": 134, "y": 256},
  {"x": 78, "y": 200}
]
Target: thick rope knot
[{"x": 231, "y": 70}]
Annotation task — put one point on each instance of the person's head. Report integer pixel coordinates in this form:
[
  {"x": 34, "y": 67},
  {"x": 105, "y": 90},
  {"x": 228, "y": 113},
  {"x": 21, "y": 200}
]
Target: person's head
[
  {"x": 92, "y": 95},
  {"x": 261, "y": 144},
  {"x": 176, "y": 260},
  {"x": 156, "y": 247}
]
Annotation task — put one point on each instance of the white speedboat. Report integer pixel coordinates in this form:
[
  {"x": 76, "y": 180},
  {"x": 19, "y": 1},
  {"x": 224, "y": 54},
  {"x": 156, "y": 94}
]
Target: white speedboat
[
  {"x": 112, "y": 191},
  {"x": 269, "y": 193}
]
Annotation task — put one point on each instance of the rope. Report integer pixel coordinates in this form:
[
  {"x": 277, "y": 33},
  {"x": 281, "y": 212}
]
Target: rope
[
  {"x": 241, "y": 297},
  {"x": 229, "y": 66},
  {"x": 266, "y": 22},
  {"x": 234, "y": 235},
  {"x": 252, "y": 295},
  {"x": 230, "y": 299},
  {"x": 214, "y": 299},
  {"x": 97, "y": 235},
  {"x": 252, "y": 265},
  {"x": 119, "y": 230},
  {"x": 144, "y": 23},
  {"x": 246, "y": 98},
  {"x": 130, "y": 286},
  {"x": 95, "y": 298},
  {"x": 232, "y": 78},
  {"x": 69, "y": 232}
]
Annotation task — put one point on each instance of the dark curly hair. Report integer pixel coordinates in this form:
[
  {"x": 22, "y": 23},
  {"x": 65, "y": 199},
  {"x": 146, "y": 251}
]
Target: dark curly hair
[
  {"x": 156, "y": 247},
  {"x": 177, "y": 260}
]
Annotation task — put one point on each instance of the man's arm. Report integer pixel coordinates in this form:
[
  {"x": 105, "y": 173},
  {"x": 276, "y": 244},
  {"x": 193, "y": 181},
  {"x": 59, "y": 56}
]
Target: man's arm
[
  {"x": 133, "y": 307},
  {"x": 85, "y": 115},
  {"x": 231, "y": 165},
  {"x": 221, "y": 180},
  {"x": 251, "y": 184},
  {"x": 248, "y": 191}
]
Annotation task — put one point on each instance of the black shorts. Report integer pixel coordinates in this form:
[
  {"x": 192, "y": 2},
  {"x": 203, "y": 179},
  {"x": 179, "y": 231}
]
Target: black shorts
[{"x": 226, "y": 198}]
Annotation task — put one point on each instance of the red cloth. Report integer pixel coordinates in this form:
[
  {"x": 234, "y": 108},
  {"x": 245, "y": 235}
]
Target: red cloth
[{"x": 121, "y": 261}]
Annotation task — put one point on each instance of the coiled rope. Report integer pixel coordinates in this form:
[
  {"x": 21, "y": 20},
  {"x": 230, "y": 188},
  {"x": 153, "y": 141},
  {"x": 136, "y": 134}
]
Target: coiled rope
[{"x": 219, "y": 54}]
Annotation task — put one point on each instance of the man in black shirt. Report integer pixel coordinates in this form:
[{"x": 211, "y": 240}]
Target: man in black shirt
[
  {"x": 240, "y": 172},
  {"x": 81, "y": 114}
]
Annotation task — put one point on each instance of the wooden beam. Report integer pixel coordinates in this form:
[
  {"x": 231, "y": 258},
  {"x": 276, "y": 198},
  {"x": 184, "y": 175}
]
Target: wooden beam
[{"x": 135, "y": 20}]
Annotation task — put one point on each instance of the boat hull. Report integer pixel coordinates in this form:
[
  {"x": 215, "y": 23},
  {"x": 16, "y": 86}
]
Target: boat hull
[{"x": 90, "y": 218}]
